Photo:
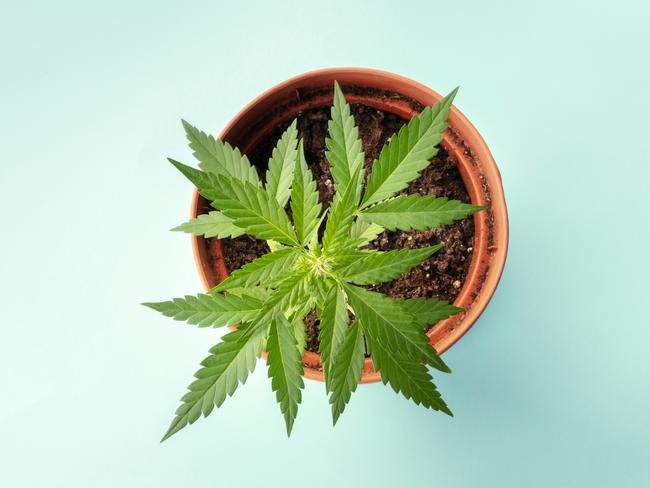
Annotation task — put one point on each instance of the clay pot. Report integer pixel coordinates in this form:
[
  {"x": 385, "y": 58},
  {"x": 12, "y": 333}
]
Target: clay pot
[{"x": 404, "y": 97}]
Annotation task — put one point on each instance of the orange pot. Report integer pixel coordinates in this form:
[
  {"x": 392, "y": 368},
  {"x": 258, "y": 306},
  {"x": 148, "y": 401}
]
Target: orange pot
[{"x": 285, "y": 101}]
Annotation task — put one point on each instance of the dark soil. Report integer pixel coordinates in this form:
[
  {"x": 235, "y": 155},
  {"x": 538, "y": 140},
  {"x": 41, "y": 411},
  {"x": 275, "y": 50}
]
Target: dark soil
[
  {"x": 440, "y": 276},
  {"x": 242, "y": 250}
]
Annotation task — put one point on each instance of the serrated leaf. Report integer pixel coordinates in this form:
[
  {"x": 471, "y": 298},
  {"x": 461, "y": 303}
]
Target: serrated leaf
[
  {"x": 319, "y": 287},
  {"x": 258, "y": 292},
  {"x": 333, "y": 324},
  {"x": 218, "y": 157},
  {"x": 285, "y": 368},
  {"x": 304, "y": 199},
  {"x": 390, "y": 323},
  {"x": 300, "y": 333},
  {"x": 429, "y": 311},
  {"x": 408, "y": 152},
  {"x": 346, "y": 369},
  {"x": 290, "y": 293},
  {"x": 377, "y": 267},
  {"x": 347, "y": 256},
  {"x": 313, "y": 244},
  {"x": 209, "y": 310},
  {"x": 281, "y": 165},
  {"x": 408, "y": 212},
  {"x": 202, "y": 180},
  {"x": 261, "y": 270},
  {"x": 250, "y": 207},
  {"x": 426, "y": 312},
  {"x": 362, "y": 233},
  {"x": 406, "y": 376},
  {"x": 255, "y": 211},
  {"x": 212, "y": 224},
  {"x": 337, "y": 229},
  {"x": 228, "y": 364},
  {"x": 344, "y": 149}
]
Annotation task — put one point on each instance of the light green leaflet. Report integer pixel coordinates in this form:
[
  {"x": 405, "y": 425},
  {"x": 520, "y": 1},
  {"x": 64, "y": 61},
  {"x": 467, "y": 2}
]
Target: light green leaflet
[
  {"x": 408, "y": 153},
  {"x": 304, "y": 200},
  {"x": 417, "y": 212},
  {"x": 281, "y": 166},
  {"x": 346, "y": 370},
  {"x": 344, "y": 149},
  {"x": 218, "y": 157},
  {"x": 212, "y": 224},
  {"x": 333, "y": 324},
  {"x": 285, "y": 368}
]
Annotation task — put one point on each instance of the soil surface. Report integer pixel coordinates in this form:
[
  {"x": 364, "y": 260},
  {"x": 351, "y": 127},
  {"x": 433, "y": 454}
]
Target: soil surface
[{"x": 443, "y": 274}]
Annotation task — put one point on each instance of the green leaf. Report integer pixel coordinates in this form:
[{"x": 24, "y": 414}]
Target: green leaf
[
  {"x": 250, "y": 207},
  {"x": 281, "y": 165},
  {"x": 205, "y": 182},
  {"x": 257, "y": 292},
  {"x": 285, "y": 368},
  {"x": 408, "y": 152},
  {"x": 333, "y": 324},
  {"x": 299, "y": 332},
  {"x": 228, "y": 364},
  {"x": 344, "y": 149},
  {"x": 377, "y": 267},
  {"x": 304, "y": 200},
  {"x": 408, "y": 377},
  {"x": 254, "y": 210},
  {"x": 209, "y": 310},
  {"x": 313, "y": 245},
  {"x": 337, "y": 229},
  {"x": 418, "y": 212},
  {"x": 261, "y": 270},
  {"x": 389, "y": 322},
  {"x": 218, "y": 157},
  {"x": 362, "y": 233},
  {"x": 429, "y": 311},
  {"x": 291, "y": 292},
  {"x": 346, "y": 369},
  {"x": 319, "y": 287},
  {"x": 212, "y": 224}
]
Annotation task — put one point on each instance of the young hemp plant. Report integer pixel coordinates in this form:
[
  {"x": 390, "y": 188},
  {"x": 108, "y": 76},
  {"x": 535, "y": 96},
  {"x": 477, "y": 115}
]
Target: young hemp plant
[{"x": 269, "y": 298}]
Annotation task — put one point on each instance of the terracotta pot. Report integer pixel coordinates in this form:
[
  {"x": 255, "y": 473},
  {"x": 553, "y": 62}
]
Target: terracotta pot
[{"x": 406, "y": 98}]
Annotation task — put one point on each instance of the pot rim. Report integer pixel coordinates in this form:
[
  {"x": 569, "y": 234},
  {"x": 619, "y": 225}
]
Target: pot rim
[{"x": 477, "y": 168}]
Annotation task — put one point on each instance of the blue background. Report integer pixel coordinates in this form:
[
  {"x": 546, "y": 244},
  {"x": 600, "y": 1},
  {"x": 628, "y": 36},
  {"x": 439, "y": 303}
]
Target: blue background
[{"x": 550, "y": 388}]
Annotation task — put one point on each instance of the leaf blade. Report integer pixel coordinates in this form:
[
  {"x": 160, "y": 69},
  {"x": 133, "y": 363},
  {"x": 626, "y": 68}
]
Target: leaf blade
[
  {"x": 281, "y": 165},
  {"x": 346, "y": 369},
  {"x": 391, "y": 324},
  {"x": 219, "y": 157},
  {"x": 212, "y": 224},
  {"x": 290, "y": 292},
  {"x": 408, "y": 377},
  {"x": 333, "y": 326},
  {"x": 228, "y": 365},
  {"x": 408, "y": 212},
  {"x": 344, "y": 148},
  {"x": 285, "y": 368},
  {"x": 260, "y": 270},
  {"x": 255, "y": 211},
  {"x": 304, "y": 199},
  {"x": 378, "y": 267},
  {"x": 250, "y": 207},
  {"x": 209, "y": 310},
  {"x": 408, "y": 152},
  {"x": 362, "y": 233},
  {"x": 428, "y": 311},
  {"x": 339, "y": 223}
]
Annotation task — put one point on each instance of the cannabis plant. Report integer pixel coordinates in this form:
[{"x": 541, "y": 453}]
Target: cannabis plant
[{"x": 318, "y": 260}]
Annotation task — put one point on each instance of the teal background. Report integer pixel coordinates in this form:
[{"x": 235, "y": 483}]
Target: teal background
[{"x": 550, "y": 388}]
